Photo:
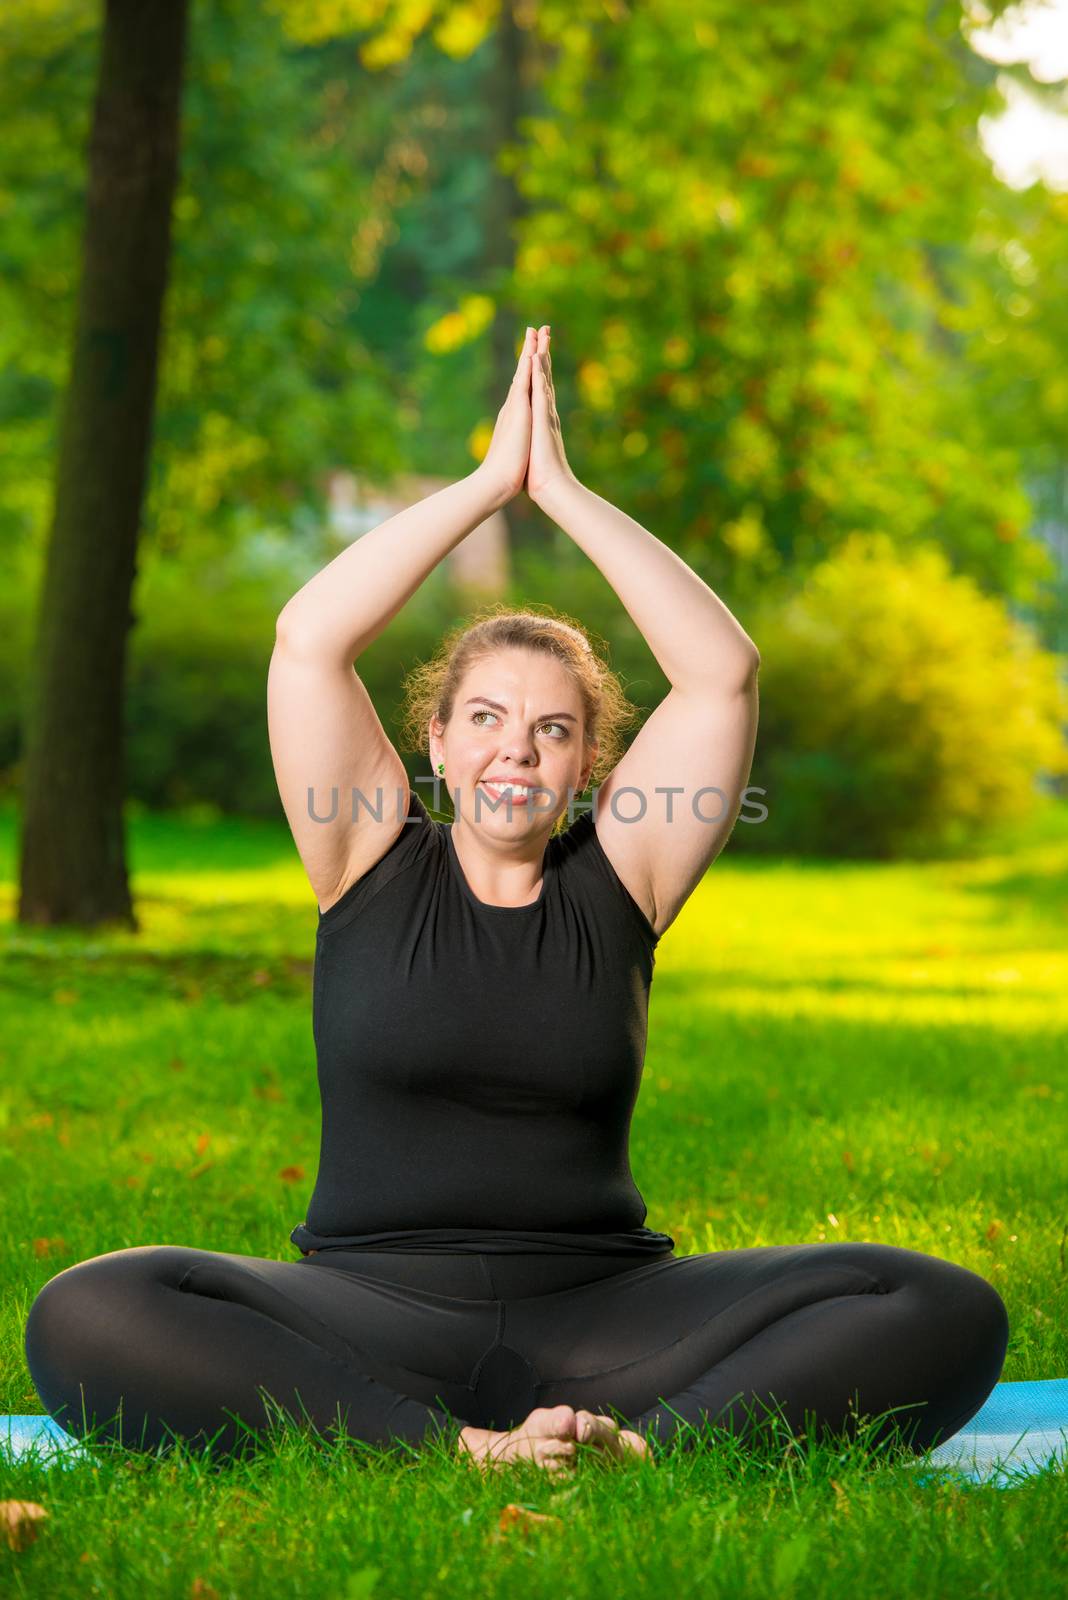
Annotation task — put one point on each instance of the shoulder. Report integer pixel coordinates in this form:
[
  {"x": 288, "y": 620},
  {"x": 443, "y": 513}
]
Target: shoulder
[
  {"x": 414, "y": 837},
  {"x": 582, "y": 852}
]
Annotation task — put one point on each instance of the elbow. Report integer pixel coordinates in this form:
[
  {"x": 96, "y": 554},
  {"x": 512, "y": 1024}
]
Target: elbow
[
  {"x": 284, "y": 629},
  {"x": 750, "y": 670}
]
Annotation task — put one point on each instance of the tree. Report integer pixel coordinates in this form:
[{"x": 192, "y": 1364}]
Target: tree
[{"x": 73, "y": 866}]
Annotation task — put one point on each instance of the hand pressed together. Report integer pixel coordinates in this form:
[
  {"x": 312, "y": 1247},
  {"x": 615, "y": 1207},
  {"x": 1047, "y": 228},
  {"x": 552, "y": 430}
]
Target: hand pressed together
[{"x": 527, "y": 447}]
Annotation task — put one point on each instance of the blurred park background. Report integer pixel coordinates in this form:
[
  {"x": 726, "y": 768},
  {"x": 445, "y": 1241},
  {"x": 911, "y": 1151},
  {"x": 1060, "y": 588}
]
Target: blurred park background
[
  {"x": 264, "y": 270},
  {"x": 806, "y": 329}
]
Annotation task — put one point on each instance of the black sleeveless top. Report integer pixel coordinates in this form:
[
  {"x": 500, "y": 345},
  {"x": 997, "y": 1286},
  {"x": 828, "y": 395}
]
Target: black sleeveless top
[{"x": 478, "y": 1065}]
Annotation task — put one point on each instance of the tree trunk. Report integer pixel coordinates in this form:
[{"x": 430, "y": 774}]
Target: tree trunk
[{"x": 73, "y": 863}]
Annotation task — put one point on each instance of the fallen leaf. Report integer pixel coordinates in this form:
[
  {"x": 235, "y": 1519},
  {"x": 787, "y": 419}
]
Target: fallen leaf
[
  {"x": 19, "y": 1520},
  {"x": 523, "y": 1520},
  {"x": 49, "y": 1247},
  {"x": 203, "y": 1590},
  {"x": 291, "y": 1174},
  {"x": 202, "y": 1143},
  {"x": 841, "y": 1498}
]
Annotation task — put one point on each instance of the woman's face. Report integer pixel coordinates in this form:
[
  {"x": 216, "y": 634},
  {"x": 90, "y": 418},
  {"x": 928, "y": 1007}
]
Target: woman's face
[{"x": 518, "y": 715}]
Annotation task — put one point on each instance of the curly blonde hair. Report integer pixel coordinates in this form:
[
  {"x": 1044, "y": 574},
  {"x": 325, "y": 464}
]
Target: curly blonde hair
[{"x": 430, "y": 688}]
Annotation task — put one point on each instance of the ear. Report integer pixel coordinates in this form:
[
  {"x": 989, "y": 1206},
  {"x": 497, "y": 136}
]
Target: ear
[{"x": 589, "y": 765}]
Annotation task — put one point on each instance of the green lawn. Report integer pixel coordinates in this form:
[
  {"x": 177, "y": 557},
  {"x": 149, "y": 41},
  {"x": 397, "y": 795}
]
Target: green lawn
[{"x": 835, "y": 1052}]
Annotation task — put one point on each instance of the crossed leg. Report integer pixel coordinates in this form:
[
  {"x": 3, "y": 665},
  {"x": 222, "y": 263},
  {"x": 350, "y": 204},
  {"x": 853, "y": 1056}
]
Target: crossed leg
[
  {"x": 159, "y": 1340},
  {"x": 169, "y": 1339},
  {"x": 838, "y": 1331}
]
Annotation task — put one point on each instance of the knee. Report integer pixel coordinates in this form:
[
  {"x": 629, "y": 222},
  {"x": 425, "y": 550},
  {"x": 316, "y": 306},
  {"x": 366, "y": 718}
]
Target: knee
[
  {"x": 973, "y": 1317},
  {"x": 59, "y": 1315},
  {"x": 961, "y": 1309},
  {"x": 989, "y": 1316},
  {"x": 83, "y": 1308}
]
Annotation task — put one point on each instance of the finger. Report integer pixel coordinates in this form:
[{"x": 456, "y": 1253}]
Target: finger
[
  {"x": 541, "y": 383},
  {"x": 522, "y": 366}
]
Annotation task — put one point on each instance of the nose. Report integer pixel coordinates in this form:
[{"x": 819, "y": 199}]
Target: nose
[{"x": 517, "y": 749}]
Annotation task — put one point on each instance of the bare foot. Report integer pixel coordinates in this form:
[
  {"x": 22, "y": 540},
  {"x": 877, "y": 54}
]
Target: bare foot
[{"x": 550, "y": 1437}]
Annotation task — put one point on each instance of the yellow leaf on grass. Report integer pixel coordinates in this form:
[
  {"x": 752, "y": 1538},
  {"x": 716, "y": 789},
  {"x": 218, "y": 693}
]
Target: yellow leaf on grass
[
  {"x": 49, "y": 1247},
  {"x": 520, "y": 1519},
  {"x": 19, "y": 1521}
]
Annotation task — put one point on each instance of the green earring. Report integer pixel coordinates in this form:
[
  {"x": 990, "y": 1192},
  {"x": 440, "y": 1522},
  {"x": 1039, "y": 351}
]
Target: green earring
[{"x": 441, "y": 766}]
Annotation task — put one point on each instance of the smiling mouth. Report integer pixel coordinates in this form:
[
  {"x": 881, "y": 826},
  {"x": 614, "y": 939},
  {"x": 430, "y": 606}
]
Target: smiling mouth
[{"x": 520, "y": 793}]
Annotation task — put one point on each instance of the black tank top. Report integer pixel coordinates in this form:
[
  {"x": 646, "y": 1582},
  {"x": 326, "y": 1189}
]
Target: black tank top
[{"x": 478, "y": 1065}]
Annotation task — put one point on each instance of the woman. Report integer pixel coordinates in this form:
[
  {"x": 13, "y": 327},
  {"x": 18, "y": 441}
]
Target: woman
[{"x": 475, "y": 1262}]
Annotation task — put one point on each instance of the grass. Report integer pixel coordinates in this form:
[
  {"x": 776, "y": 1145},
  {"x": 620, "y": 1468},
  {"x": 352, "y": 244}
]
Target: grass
[{"x": 835, "y": 1052}]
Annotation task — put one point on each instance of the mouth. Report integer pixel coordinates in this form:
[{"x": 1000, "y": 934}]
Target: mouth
[{"x": 506, "y": 788}]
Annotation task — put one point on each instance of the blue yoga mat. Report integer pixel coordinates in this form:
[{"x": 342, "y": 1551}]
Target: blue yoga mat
[{"x": 1022, "y": 1429}]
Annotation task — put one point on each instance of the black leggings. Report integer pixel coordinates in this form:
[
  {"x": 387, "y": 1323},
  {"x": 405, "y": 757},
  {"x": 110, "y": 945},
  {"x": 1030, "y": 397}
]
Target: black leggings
[{"x": 402, "y": 1347}]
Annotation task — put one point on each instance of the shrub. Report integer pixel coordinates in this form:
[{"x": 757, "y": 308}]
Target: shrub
[{"x": 902, "y": 711}]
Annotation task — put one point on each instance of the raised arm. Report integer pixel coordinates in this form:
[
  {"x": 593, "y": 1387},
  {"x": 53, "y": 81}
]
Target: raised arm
[
  {"x": 326, "y": 738},
  {"x": 346, "y": 606},
  {"x": 696, "y": 640},
  {"x": 701, "y": 738}
]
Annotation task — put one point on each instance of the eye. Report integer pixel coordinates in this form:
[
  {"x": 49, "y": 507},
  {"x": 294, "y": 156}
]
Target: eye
[{"x": 559, "y": 725}]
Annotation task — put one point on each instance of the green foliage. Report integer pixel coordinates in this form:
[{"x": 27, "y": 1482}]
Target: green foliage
[
  {"x": 195, "y": 706},
  {"x": 264, "y": 381},
  {"x": 754, "y": 231},
  {"x": 902, "y": 711},
  {"x": 772, "y": 326},
  {"x": 773, "y": 329}
]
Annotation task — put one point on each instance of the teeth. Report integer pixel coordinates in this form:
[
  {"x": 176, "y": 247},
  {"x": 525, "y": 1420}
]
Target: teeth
[{"x": 510, "y": 788}]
